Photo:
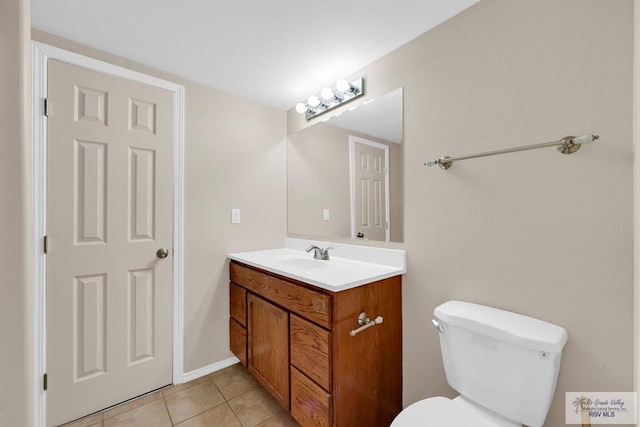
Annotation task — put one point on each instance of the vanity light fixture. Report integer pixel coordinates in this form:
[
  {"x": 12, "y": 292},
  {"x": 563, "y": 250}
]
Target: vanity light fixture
[
  {"x": 327, "y": 93},
  {"x": 301, "y": 107},
  {"x": 344, "y": 86},
  {"x": 313, "y": 101},
  {"x": 344, "y": 92}
]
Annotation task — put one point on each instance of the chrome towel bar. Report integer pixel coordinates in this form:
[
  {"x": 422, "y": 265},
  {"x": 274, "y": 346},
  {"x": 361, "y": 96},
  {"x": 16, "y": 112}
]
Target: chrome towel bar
[{"x": 567, "y": 145}]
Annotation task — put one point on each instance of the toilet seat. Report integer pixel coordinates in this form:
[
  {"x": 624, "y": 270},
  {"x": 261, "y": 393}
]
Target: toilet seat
[{"x": 442, "y": 412}]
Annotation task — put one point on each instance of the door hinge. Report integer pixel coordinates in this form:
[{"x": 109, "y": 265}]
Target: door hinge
[
  {"x": 46, "y": 108},
  {"x": 45, "y": 382},
  {"x": 45, "y": 244}
]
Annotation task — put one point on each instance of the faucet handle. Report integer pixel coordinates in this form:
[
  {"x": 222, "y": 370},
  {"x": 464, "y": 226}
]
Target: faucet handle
[{"x": 325, "y": 253}]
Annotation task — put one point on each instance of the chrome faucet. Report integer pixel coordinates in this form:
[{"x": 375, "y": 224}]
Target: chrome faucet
[{"x": 319, "y": 253}]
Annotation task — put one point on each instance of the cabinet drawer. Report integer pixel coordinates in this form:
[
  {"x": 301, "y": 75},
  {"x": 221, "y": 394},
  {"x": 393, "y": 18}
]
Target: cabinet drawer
[
  {"x": 310, "y": 350},
  {"x": 310, "y": 404},
  {"x": 238, "y": 300},
  {"x": 238, "y": 340},
  {"x": 309, "y": 304}
]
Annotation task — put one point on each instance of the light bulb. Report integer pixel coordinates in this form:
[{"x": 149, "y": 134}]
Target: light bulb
[
  {"x": 326, "y": 93},
  {"x": 343, "y": 85},
  {"x": 313, "y": 101},
  {"x": 301, "y": 108}
]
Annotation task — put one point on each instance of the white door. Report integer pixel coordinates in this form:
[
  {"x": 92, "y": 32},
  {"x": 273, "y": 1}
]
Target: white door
[
  {"x": 109, "y": 210},
  {"x": 370, "y": 185}
]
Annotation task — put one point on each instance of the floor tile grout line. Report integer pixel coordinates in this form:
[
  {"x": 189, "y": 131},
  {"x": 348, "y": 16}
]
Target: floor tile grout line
[
  {"x": 234, "y": 412},
  {"x": 161, "y": 393},
  {"x": 201, "y": 412},
  {"x": 166, "y": 407}
]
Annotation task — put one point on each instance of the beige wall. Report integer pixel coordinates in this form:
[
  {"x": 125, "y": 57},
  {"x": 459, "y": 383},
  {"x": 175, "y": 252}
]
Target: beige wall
[
  {"x": 16, "y": 361},
  {"x": 234, "y": 158},
  {"x": 538, "y": 233},
  {"x": 318, "y": 178}
]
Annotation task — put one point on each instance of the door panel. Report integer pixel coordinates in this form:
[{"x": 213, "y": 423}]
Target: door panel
[
  {"x": 141, "y": 188},
  {"x": 89, "y": 326},
  {"x": 140, "y": 327},
  {"x": 370, "y": 171},
  {"x": 109, "y": 209}
]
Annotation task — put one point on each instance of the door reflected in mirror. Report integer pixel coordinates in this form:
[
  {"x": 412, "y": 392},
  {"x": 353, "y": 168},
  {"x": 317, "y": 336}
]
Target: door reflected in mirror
[{"x": 345, "y": 175}]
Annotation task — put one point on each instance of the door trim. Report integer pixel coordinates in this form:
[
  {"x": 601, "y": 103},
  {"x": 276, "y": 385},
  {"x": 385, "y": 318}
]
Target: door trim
[
  {"x": 636, "y": 200},
  {"x": 40, "y": 54},
  {"x": 352, "y": 182}
]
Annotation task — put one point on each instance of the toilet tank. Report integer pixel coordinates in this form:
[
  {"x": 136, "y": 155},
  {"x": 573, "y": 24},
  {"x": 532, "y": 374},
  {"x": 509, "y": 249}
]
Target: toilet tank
[{"x": 503, "y": 361}]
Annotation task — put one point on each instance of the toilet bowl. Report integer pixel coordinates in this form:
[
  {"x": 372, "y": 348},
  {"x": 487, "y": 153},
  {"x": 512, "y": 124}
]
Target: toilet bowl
[
  {"x": 504, "y": 365},
  {"x": 442, "y": 412}
]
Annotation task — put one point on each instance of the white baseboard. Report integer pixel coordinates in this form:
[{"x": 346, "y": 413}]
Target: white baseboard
[{"x": 206, "y": 370}]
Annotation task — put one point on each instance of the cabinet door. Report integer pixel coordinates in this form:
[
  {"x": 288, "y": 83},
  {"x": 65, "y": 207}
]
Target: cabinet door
[{"x": 268, "y": 329}]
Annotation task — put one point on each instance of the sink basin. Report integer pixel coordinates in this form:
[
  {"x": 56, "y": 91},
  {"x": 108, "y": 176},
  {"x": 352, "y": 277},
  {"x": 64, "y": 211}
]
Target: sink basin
[
  {"x": 302, "y": 263},
  {"x": 336, "y": 274}
]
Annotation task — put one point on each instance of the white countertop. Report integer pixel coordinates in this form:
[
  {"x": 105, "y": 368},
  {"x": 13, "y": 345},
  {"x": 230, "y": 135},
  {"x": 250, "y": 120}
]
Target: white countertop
[{"x": 338, "y": 273}]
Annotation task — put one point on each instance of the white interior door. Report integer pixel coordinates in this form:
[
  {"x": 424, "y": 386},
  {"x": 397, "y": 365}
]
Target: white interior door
[
  {"x": 370, "y": 188},
  {"x": 109, "y": 211}
]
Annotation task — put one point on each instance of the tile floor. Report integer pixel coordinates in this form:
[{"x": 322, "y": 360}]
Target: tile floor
[{"x": 230, "y": 397}]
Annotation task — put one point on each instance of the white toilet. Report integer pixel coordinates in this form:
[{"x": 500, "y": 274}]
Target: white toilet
[{"x": 504, "y": 365}]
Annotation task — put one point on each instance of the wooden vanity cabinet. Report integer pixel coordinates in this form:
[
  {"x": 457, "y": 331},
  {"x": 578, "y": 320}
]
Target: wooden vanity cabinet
[
  {"x": 295, "y": 339},
  {"x": 238, "y": 322},
  {"x": 268, "y": 351}
]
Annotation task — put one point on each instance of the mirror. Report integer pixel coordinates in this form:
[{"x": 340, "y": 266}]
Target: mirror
[{"x": 345, "y": 174}]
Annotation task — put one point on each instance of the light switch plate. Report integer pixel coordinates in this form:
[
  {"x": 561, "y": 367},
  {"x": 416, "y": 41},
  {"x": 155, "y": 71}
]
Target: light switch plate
[
  {"x": 235, "y": 216},
  {"x": 325, "y": 215}
]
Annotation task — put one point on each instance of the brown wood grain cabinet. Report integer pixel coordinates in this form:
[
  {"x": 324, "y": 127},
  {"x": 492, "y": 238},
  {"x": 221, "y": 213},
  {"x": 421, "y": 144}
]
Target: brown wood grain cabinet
[
  {"x": 294, "y": 338},
  {"x": 268, "y": 346}
]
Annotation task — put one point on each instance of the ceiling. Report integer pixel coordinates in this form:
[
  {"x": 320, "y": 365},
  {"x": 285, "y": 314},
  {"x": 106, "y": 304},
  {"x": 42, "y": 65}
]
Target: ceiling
[{"x": 275, "y": 52}]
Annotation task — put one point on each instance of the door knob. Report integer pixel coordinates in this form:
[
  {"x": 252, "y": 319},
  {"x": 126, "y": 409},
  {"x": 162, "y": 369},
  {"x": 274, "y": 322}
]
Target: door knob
[{"x": 162, "y": 253}]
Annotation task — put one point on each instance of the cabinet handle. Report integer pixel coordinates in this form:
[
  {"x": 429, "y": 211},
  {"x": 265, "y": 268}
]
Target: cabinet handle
[{"x": 365, "y": 323}]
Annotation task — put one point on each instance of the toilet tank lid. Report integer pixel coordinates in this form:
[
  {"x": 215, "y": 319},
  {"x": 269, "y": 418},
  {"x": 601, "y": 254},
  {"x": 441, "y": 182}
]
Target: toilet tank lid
[{"x": 517, "y": 329}]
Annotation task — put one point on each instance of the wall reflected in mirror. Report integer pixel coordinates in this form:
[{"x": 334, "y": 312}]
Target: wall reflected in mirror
[{"x": 345, "y": 175}]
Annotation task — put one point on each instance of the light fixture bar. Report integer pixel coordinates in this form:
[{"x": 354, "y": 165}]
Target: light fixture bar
[{"x": 341, "y": 96}]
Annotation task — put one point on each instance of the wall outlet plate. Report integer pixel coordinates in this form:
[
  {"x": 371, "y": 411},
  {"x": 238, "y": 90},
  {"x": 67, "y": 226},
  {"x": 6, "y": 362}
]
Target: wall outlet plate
[{"x": 235, "y": 216}]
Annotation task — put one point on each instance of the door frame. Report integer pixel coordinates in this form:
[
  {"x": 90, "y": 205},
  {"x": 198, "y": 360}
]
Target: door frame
[
  {"x": 41, "y": 53},
  {"x": 636, "y": 200},
  {"x": 352, "y": 181}
]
